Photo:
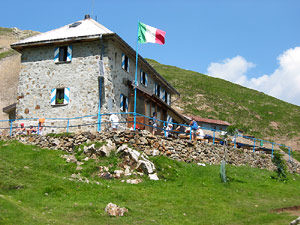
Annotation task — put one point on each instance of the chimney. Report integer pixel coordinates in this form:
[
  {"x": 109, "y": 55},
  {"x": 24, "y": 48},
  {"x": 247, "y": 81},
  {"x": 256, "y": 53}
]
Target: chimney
[{"x": 87, "y": 16}]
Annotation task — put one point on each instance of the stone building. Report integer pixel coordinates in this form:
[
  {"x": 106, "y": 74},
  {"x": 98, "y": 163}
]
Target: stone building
[{"x": 70, "y": 71}]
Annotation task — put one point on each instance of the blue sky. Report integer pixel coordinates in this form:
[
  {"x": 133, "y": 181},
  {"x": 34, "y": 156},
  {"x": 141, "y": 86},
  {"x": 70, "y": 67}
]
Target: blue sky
[{"x": 244, "y": 41}]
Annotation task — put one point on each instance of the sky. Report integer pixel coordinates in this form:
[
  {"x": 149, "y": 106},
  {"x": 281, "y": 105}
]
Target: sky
[{"x": 254, "y": 43}]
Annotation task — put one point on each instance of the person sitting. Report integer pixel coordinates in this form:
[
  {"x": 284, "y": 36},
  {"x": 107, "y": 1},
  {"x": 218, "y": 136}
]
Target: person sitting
[
  {"x": 200, "y": 133},
  {"x": 114, "y": 120},
  {"x": 21, "y": 130},
  {"x": 168, "y": 130},
  {"x": 31, "y": 130}
]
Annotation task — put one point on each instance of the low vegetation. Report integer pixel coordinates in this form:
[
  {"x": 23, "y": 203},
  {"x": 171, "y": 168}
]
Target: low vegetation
[
  {"x": 8, "y": 53},
  {"x": 259, "y": 114},
  {"x": 35, "y": 189}
]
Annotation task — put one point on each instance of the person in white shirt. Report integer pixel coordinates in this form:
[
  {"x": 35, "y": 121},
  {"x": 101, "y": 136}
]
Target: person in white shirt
[{"x": 114, "y": 120}]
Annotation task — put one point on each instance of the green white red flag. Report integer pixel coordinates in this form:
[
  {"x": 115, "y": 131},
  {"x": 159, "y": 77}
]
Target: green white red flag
[{"x": 148, "y": 34}]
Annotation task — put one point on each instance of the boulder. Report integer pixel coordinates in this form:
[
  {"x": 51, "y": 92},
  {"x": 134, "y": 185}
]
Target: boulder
[
  {"x": 114, "y": 210},
  {"x": 153, "y": 176}
]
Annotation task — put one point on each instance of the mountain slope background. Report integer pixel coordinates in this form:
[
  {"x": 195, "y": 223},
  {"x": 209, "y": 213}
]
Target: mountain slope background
[
  {"x": 254, "y": 112},
  {"x": 10, "y": 66}
]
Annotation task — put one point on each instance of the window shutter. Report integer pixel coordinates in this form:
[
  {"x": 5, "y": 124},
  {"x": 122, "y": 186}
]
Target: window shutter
[
  {"x": 67, "y": 96},
  {"x": 169, "y": 119},
  {"x": 146, "y": 79},
  {"x": 126, "y": 105},
  {"x": 56, "y": 54},
  {"x": 141, "y": 76},
  {"x": 168, "y": 99},
  {"x": 53, "y": 96},
  {"x": 121, "y": 101},
  {"x": 155, "y": 89},
  {"x": 163, "y": 94},
  {"x": 69, "y": 55},
  {"x": 128, "y": 65},
  {"x": 123, "y": 61}
]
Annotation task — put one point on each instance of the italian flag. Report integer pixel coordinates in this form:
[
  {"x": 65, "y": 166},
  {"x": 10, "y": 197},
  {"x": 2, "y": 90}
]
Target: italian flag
[{"x": 150, "y": 34}]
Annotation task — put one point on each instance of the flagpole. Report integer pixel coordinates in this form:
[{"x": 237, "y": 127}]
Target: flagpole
[{"x": 135, "y": 79}]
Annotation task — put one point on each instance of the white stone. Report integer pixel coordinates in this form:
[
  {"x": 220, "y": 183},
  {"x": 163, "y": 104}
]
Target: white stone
[{"x": 153, "y": 176}]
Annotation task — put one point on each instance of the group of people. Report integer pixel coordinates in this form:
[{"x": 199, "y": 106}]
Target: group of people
[{"x": 31, "y": 130}]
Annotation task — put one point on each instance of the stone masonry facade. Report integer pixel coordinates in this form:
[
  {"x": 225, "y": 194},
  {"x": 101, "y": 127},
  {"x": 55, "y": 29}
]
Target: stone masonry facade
[{"x": 40, "y": 74}]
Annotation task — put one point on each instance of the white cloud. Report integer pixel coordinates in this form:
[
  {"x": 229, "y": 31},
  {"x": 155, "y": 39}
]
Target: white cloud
[
  {"x": 283, "y": 83},
  {"x": 233, "y": 70}
]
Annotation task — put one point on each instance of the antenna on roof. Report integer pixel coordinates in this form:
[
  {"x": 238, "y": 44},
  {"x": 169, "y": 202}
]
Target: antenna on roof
[{"x": 93, "y": 3}]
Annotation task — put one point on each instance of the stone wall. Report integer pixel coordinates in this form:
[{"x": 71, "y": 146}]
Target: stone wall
[{"x": 177, "y": 149}]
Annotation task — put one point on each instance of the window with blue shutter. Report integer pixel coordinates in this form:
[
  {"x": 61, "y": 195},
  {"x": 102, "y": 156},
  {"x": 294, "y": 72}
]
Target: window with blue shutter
[
  {"x": 63, "y": 54},
  {"x": 143, "y": 78},
  {"x": 125, "y": 62},
  {"x": 60, "y": 96},
  {"x": 163, "y": 94},
  {"x": 123, "y": 103}
]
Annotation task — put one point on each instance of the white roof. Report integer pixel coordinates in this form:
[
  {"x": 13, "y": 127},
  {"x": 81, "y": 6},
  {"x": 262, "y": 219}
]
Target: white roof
[{"x": 86, "y": 27}]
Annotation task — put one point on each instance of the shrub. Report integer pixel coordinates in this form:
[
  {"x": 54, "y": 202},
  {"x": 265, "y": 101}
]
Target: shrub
[{"x": 280, "y": 167}]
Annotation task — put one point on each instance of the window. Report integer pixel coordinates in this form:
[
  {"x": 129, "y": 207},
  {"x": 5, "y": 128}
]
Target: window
[
  {"x": 166, "y": 98},
  {"x": 157, "y": 90},
  {"x": 125, "y": 62},
  {"x": 63, "y": 54},
  {"x": 60, "y": 96},
  {"x": 144, "y": 78},
  {"x": 123, "y": 103}
]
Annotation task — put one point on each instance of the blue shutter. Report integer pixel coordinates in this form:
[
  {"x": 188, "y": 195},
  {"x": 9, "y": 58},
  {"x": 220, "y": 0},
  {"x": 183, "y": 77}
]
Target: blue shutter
[
  {"x": 123, "y": 61},
  {"x": 155, "y": 89},
  {"x": 141, "y": 76},
  {"x": 67, "y": 96},
  {"x": 126, "y": 105},
  {"x": 168, "y": 99},
  {"x": 56, "y": 54},
  {"x": 121, "y": 102},
  {"x": 146, "y": 80},
  {"x": 53, "y": 96},
  {"x": 69, "y": 55},
  {"x": 128, "y": 64},
  {"x": 169, "y": 119},
  {"x": 163, "y": 94}
]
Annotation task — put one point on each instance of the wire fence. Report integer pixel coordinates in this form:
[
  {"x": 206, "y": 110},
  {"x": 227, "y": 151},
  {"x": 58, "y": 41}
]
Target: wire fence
[{"x": 105, "y": 122}]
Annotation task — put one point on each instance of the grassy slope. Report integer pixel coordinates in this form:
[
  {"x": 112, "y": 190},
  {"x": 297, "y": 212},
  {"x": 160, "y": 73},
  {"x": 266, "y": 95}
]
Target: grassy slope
[
  {"x": 247, "y": 108},
  {"x": 190, "y": 195}
]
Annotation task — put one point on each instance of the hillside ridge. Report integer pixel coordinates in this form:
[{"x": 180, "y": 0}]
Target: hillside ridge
[{"x": 252, "y": 111}]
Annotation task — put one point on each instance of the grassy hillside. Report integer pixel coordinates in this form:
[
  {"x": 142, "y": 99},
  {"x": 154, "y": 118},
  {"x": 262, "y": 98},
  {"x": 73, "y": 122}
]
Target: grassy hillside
[
  {"x": 253, "y": 111},
  {"x": 35, "y": 189}
]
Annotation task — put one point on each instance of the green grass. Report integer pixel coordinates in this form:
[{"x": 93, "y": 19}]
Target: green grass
[
  {"x": 4, "y": 30},
  {"x": 8, "y": 53},
  {"x": 250, "y": 110},
  {"x": 34, "y": 189}
]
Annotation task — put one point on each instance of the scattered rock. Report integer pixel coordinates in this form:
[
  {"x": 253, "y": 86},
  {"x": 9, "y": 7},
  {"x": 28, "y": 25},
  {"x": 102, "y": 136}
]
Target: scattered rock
[
  {"x": 296, "y": 221},
  {"x": 114, "y": 210},
  {"x": 153, "y": 176},
  {"x": 134, "y": 181}
]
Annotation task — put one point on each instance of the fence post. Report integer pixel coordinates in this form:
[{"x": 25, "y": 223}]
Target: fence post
[
  {"x": 165, "y": 129},
  {"x": 10, "y": 128},
  {"x": 214, "y": 137},
  {"x": 254, "y": 145},
  {"x": 190, "y": 132},
  {"x": 289, "y": 154},
  {"x": 234, "y": 141},
  {"x": 68, "y": 124},
  {"x": 272, "y": 149},
  {"x": 38, "y": 130}
]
